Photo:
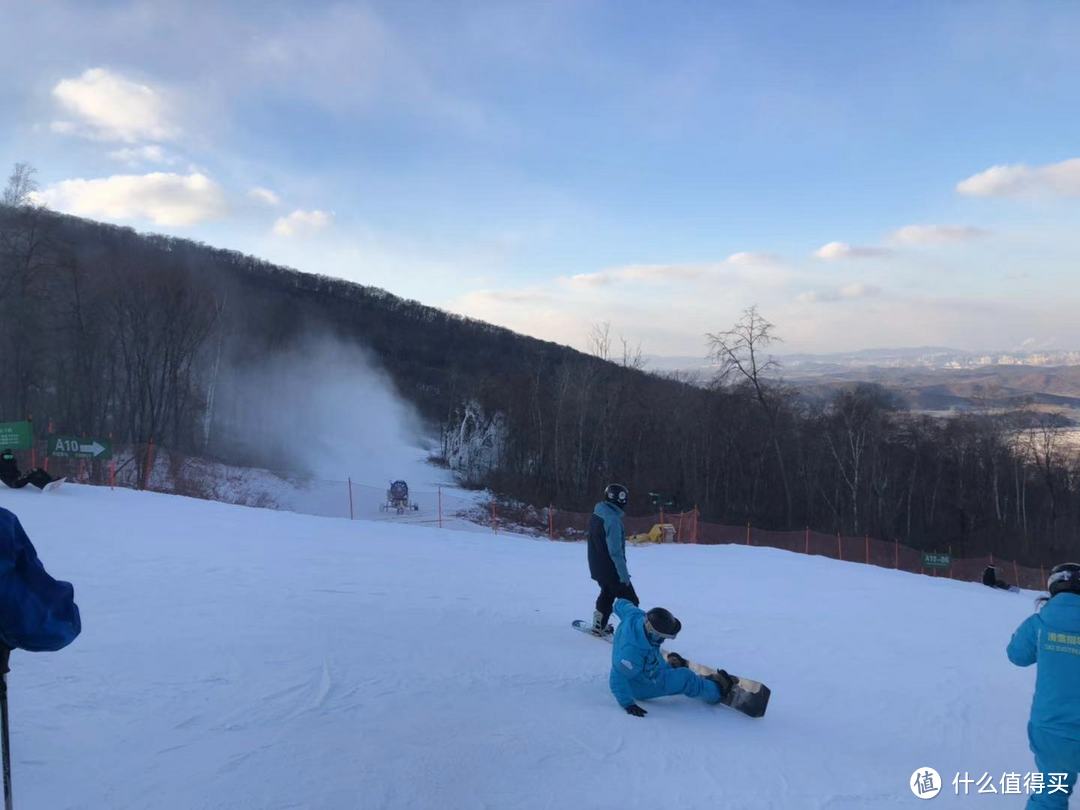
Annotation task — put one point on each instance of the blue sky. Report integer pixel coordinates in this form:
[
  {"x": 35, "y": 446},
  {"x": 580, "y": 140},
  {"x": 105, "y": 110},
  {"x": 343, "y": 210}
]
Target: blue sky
[{"x": 868, "y": 174}]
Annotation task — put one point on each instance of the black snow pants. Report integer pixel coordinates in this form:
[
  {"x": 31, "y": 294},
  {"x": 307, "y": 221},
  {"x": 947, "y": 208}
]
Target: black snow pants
[{"x": 609, "y": 593}]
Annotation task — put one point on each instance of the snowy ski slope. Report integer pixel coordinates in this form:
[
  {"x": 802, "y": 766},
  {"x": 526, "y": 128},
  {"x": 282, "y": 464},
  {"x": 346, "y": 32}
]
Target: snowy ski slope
[{"x": 244, "y": 658}]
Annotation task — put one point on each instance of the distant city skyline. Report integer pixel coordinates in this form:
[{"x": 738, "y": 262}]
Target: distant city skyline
[{"x": 867, "y": 175}]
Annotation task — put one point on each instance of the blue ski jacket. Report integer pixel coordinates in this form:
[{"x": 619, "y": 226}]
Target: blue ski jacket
[
  {"x": 634, "y": 658},
  {"x": 37, "y": 612},
  {"x": 1051, "y": 637},
  {"x": 607, "y": 545}
]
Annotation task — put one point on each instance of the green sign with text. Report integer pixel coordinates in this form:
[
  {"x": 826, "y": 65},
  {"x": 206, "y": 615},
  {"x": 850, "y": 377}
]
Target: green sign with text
[
  {"x": 75, "y": 447},
  {"x": 936, "y": 560},
  {"x": 15, "y": 436}
]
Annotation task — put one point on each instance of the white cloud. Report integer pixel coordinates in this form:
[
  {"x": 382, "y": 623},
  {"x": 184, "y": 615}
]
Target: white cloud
[
  {"x": 842, "y": 250},
  {"x": 137, "y": 155},
  {"x": 750, "y": 259},
  {"x": 749, "y": 266},
  {"x": 109, "y": 107},
  {"x": 524, "y": 297},
  {"x": 160, "y": 197},
  {"x": 849, "y": 292},
  {"x": 264, "y": 196},
  {"x": 1019, "y": 180},
  {"x": 935, "y": 234},
  {"x": 656, "y": 273},
  {"x": 302, "y": 223}
]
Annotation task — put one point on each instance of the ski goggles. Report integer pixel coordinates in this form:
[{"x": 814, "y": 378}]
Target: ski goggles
[{"x": 652, "y": 631}]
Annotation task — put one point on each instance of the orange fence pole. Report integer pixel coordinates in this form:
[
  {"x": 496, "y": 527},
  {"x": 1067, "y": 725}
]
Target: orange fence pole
[
  {"x": 350, "y": 499},
  {"x": 867, "y": 549},
  {"x": 839, "y": 547},
  {"x": 807, "y": 548},
  {"x": 112, "y": 473},
  {"x": 697, "y": 520},
  {"x": 1016, "y": 574},
  {"x": 748, "y": 533},
  {"x": 551, "y": 522}
]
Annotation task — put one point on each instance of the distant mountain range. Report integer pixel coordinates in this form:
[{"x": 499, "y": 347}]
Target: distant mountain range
[
  {"x": 800, "y": 366},
  {"x": 930, "y": 378}
]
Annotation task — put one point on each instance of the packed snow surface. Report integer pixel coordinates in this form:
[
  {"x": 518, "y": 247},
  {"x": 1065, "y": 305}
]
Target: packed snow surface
[{"x": 234, "y": 657}]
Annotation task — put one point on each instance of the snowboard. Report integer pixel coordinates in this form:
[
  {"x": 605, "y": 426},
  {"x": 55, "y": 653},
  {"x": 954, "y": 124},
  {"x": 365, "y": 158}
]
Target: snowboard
[
  {"x": 747, "y": 696},
  {"x": 586, "y": 628},
  {"x": 52, "y": 486}
]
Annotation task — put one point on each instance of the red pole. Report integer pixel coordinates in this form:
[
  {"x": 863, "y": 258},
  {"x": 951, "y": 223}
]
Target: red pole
[
  {"x": 112, "y": 473},
  {"x": 697, "y": 517},
  {"x": 807, "y": 550},
  {"x": 867, "y": 549},
  {"x": 748, "y": 532},
  {"x": 350, "y": 499},
  {"x": 551, "y": 522},
  {"x": 839, "y": 547},
  {"x": 1016, "y": 574}
]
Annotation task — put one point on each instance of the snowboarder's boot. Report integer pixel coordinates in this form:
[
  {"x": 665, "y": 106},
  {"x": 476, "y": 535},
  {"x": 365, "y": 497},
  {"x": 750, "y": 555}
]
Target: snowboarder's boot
[{"x": 598, "y": 628}]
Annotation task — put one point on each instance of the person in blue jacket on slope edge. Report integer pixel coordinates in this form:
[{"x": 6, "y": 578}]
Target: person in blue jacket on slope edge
[
  {"x": 639, "y": 670},
  {"x": 607, "y": 555},
  {"x": 1051, "y": 637}
]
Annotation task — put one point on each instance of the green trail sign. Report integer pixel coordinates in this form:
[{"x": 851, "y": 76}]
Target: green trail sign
[
  {"x": 74, "y": 447},
  {"x": 15, "y": 435},
  {"x": 936, "y": 560}
]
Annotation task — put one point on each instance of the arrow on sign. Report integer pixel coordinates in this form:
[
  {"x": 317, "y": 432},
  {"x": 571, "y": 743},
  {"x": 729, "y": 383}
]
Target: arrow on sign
[{"x": 94, "y": 449}]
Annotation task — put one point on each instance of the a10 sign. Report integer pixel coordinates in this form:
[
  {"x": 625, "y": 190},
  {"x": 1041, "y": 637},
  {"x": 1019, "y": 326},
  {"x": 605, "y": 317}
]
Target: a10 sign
[{"x": 74, "y": 447}]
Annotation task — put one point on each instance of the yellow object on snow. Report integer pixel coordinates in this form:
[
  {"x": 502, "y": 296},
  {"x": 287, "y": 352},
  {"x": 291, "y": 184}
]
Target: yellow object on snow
[{"x": 659, "y": 533}]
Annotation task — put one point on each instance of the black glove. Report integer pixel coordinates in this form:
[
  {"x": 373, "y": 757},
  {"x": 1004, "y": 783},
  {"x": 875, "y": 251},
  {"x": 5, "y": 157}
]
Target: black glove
[
  {"x": 677, "y": 661},
  {"x": 636, "y": 710}
]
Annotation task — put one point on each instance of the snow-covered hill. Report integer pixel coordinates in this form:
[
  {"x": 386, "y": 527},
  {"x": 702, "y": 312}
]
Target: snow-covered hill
[{"x": 242, "y": 658}]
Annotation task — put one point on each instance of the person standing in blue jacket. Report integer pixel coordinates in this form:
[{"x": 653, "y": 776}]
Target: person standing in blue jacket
[
  {"x": 639, "y": 669},
  {"x": 1051, "y": 637},
  {"x": 607, "y": 555}
]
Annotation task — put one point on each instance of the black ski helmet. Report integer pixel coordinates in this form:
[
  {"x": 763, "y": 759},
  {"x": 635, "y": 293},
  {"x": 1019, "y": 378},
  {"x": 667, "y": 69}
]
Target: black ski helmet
[
  {"x": 617, "y": 494},
  {"x": 660, "y": 622},
  {"x": 1064, "y": 578}
]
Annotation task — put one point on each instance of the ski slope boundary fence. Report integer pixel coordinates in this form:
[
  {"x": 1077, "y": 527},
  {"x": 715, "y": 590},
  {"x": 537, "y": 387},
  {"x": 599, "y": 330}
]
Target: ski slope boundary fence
[
  {"x": 147, "y": 467},
  {"x": 687, "y": 527}
]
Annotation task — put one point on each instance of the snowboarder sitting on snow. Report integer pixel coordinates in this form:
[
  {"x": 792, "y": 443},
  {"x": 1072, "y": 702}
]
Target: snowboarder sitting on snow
[
  {"x": 1051, "y": 637},
  {"x": 639, "y": 670},
  {"x": 9, "y": 473},
  {"x": 990, "y": 579},
  {"x": 607, "y": 555}
]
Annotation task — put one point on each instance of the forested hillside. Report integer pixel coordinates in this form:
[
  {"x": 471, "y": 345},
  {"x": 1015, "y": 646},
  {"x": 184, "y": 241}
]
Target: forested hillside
[{"x": 105, "y": 331}]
